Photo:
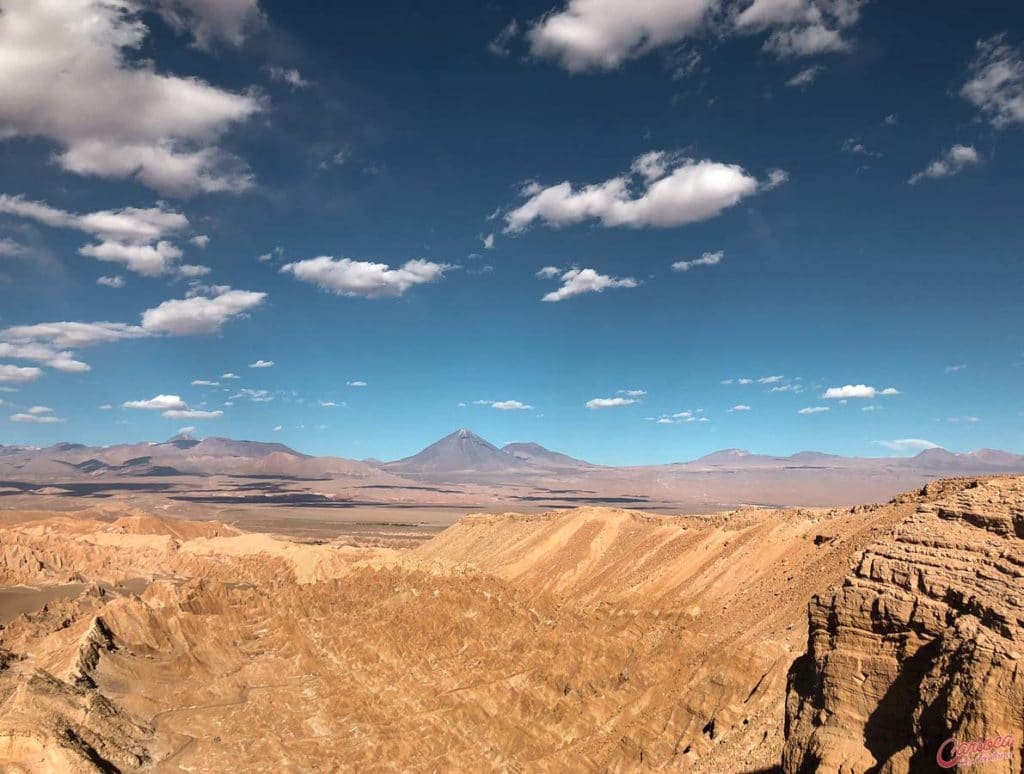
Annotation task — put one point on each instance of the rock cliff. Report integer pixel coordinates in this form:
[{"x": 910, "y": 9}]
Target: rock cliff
[{"x": 922, "y": 644}]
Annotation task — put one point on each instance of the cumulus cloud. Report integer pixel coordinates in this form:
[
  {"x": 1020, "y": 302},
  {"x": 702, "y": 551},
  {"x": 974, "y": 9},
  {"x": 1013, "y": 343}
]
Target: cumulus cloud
[
  {"x": 157, "y": 403},
  {"x": 348, "y": 277},
  {"x": 660, "y": 190},
  {"x": 862, "y": 391},
  {"x": 70, "y": 77},
  {"x": 200, "y": 314},
  {"x": 549, "y": 272},
  {"x": 740, "y": 407},
  {"x": 12, "y": 374},
  {"x": 230, "y": 375},
  {"x": 111, "y": 282},
  {"x": 510, "y": 405},
  {"x": 40, "y": 353},
  {"x": 200, "y": 240},
  {"x": 603, "y": 403},
  {"x": 951, "y": 162},
  {"x": 131, "y": 236},
  {"x": 813, "y": 410},
  {"x": 996, "y": 83},
  {"x": 805, "y": 77},
  {"x": 602, "y": 34},
  {"x": 578, "y": 281},
  {"x": 588, "y": 35},
  {"x": 911, "y": 445},
  {"x": 707, "y": 259},
  {"x": 262, "y": 364},
  {"x": 51, "y": 343}
]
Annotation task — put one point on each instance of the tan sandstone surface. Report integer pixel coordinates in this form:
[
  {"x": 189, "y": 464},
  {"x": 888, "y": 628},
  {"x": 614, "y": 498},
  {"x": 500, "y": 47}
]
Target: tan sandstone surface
[{"x": 592, "y": 639}]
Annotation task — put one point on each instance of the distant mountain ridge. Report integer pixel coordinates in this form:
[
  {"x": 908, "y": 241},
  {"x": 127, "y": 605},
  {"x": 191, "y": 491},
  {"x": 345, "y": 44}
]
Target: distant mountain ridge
[{"x": 462, "y": 453}]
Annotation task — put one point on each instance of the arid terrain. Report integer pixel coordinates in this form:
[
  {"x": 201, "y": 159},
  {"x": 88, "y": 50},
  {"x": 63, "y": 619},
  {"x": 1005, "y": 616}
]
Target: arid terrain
[
  {"x": 589, "y": 639},
  {"x": 270, "y": 487}
]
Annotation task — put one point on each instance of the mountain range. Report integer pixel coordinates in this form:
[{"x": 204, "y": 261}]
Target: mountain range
[
  {"x": 460, "y": 453},
  {"x": 464, "y": 471}
]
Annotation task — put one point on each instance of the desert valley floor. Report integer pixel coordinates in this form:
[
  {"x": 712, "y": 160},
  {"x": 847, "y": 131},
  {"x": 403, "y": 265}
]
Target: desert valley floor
[{"x": 587, "y": 639}]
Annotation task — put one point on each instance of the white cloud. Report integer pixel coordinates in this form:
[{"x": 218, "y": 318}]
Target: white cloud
[
  {"x": 805, "y": 41},
  {"x": 278, "y": 428},
  {"x": 332, "y": 403},
  {"x": 951, "y": 162},
  {"x": 355, "y": 383},
  {"x": 856, "y": 147},
  {"x": 105, "y": 407},
  {"x": 679, "y": 418},
  {"x": 209, "y": 21},
  {"x": 661, "y": 191},
  {"x": 589, "y": 35},
  {"x": 192, "y": 414},
  {"x": 863, "y": 391},
  {"x": 578, "y": 281},
  {"x": 204, "y": 383},
  {"x": 805, "y": 77},
  {"x": 111, "y": 282},
  {"x": 603, "y": 403},
  {"x": 602, "y": 34},
  {"x": 262, "y": 364},
  {"x": 9, "y": 247},
  {"x": 952, "y": 369},
  {"x": 149, "y": 260},
  {"x": 744, "y": 381},
  {"x": 968, "y": 420},
  {"x": 813, "y": 410},
  {"x": 347, "y": 277},
  {"x": 192, "y": 270},
  {"x": 511, "y": 405},
  {"x": 256, "y": 396},
  {"x": 40, "y": 410},
  {"x": 70, "y": 75},
  {"x": 40, "y": 353},
  {"x": 770, "y": 379},
  {"x": 996, "y": 85},
  {"x": 200, "y": 314},
  {"x": 707, "y": 259},
  {"x": 905, "y": 445},
  {"x": 488, "y": 241},
  {"x": 200, "y": 240},
  {"x": 157, "y": 403},
  {"x": 740, "y": 407},
  {"x": 131, "y": 236},
  {"x": 230, "y": 375},
  {"x": 37, "y": 419},
  {"x": 548, "y": 272},
  {"x": 499, "y": 46},
  {"x": 12, "y": 374},
  {"x": 632, "y": 393},
  {"x": 288, "y": 75}
]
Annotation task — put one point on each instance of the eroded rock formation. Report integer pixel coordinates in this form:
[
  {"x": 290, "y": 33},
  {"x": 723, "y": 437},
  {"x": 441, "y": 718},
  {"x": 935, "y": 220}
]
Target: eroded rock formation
[{"x": 922, "y": 644}]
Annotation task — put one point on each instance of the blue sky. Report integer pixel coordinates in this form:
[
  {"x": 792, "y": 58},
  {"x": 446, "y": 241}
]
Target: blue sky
[{"x": 387, "y": 195}]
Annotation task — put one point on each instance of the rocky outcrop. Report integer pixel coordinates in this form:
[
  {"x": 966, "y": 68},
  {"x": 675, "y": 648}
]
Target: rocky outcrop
[{"x": 922, "y": 644}]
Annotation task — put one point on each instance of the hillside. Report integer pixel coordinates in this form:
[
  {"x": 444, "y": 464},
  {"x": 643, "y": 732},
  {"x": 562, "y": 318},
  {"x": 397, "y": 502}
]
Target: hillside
[{"x": 586, "y": 639}]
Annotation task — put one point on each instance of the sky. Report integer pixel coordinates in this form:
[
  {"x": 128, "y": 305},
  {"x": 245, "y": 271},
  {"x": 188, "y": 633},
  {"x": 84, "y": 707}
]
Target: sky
[{"x": 632, "y": 232}]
